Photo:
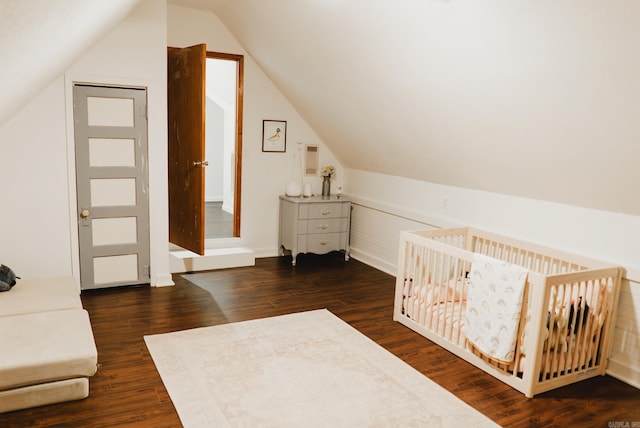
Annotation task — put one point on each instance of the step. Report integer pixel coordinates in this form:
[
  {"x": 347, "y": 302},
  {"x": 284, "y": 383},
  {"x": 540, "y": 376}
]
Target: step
[{"x": 214, "y": 258}]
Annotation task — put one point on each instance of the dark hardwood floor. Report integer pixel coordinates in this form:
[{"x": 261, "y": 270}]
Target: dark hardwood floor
[{"x": 127, "y": 390}]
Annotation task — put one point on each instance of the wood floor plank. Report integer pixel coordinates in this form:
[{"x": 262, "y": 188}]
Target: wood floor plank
[{"x": 127, "y": 390}]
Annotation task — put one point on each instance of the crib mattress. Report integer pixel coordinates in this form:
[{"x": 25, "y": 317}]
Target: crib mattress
[{"x": 46, "y": 347}]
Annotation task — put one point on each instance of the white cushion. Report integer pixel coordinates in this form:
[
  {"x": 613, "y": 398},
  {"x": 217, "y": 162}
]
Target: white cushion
[
  {"x": 30, "y": 296},
  {"x": 46, "y": 347},
  {"x": 44, "y": 393}
]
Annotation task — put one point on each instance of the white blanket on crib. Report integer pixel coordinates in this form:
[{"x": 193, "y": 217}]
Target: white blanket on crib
[{"x": 494, "y": 304}]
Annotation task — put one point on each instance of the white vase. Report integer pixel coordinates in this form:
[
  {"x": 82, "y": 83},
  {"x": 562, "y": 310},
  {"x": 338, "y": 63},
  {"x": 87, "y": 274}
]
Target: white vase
[
  {"x": 307, "y": 190},
  {"x": 294, "y": 188}
]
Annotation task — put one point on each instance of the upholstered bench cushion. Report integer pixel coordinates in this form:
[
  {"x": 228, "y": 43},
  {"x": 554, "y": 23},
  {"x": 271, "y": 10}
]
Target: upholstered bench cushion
[
  {"x": 31, "y": 296},
  {"x": 43, "y": 394},
  {"x": 46, "y": 347}
]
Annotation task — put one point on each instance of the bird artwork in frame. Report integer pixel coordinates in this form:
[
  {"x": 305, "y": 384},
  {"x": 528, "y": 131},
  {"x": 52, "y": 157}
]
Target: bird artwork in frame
[{"x": 274, "y": 136}]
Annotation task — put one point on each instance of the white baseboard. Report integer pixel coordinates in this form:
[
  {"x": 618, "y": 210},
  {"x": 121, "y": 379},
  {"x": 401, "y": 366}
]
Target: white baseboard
[
  {"x": 373, "y": 261},
  {"x": 266, "y": 252},
  {"x": 624, "y": 373},
  {"x": 162, "y": 281}
]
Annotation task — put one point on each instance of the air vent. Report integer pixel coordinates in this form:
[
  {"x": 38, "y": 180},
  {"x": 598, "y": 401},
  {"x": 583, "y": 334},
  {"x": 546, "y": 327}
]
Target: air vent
[{"x": 311, "y": 159}]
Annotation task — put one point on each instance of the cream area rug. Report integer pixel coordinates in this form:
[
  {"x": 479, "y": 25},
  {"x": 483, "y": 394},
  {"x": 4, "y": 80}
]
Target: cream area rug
[{"x": 307, "y": 369}]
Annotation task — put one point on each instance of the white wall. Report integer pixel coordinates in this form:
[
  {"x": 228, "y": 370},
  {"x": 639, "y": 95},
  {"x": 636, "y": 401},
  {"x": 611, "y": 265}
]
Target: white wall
[
  {"x": 38, "y": 223},
  {"x": 214, "y": 151},
  {"x": 264, "y": 175},
  {"x": 624, "y": 363},
  {"x": 35, "y": 219}
]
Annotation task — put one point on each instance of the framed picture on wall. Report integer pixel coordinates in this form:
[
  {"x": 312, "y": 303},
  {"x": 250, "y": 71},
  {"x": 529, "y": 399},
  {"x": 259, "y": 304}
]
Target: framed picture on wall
[{"x": 274, "y": 136}]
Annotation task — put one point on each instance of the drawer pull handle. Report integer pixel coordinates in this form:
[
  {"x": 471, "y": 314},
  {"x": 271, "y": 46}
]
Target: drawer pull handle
[
  {"x": 325, "y": 212},
  {"x": 325, "y": 242},
  {"x": 322, "y": 226}
]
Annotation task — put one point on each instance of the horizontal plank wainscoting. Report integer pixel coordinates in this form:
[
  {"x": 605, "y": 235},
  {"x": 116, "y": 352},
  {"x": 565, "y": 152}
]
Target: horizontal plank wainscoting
[
  {"x": 624, "y": 363},
  {"x": 375, "y": 236}
]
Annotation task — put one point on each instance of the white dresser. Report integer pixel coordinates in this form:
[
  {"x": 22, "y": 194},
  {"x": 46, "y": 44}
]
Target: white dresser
[{"x": 317, "y": 224}]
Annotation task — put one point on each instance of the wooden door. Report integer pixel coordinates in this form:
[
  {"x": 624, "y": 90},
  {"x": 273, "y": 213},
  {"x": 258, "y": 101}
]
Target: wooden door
[{"x": 186, "y": 116}]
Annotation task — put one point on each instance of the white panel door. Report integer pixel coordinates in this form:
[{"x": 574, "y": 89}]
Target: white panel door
[{"x": 110, "y": 127}]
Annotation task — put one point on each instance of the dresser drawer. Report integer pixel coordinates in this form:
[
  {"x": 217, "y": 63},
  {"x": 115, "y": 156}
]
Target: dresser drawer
[
  {"x": 323, "y": 225},
  {"x": 320, "y": 210},
  {"x": 322, "y": 243}
]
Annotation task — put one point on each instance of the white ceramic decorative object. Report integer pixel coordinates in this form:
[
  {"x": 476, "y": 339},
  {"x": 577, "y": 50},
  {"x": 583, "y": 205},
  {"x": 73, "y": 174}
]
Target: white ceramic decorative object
[
  {"x": 307, "y": 190},
  {"x": 294, "y": 188}
]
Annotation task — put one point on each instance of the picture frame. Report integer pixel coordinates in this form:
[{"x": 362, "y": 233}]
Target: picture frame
[{"x": 274, "y": 136}]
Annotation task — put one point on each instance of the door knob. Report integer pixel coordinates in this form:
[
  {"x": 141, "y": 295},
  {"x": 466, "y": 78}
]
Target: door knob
[
  {"x": 84, "y": 214},
  {"x": 200, "y": 163}
]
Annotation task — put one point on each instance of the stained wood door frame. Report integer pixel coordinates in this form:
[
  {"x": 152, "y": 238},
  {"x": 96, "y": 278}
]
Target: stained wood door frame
[{"x": 237, "y": 185}]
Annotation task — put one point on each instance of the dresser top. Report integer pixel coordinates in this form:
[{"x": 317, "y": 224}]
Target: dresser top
[{"x": 313, "y": 199}]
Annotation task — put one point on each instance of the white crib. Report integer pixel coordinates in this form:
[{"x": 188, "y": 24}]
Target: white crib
[{"x": 568, "y": 309}]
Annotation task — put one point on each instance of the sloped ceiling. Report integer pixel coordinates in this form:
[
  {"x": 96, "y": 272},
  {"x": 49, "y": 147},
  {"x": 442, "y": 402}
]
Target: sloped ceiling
[
  {"x": 529, "y": 98},
  {"x": 39, "y": 39}
]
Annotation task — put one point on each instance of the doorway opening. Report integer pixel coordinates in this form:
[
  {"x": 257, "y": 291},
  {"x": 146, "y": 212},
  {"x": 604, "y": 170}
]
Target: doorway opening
[{"x": 223, "y": 111}]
